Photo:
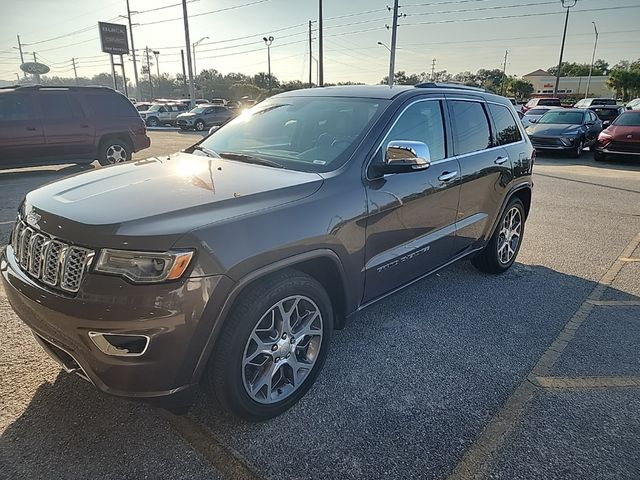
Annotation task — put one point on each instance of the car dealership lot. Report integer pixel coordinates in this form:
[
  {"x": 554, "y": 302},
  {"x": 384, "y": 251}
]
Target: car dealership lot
[{"x": 539, "y": 365}]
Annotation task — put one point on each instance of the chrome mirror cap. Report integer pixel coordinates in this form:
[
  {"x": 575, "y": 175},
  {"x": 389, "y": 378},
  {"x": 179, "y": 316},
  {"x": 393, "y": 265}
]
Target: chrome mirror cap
[{"x": 408, "y": 153}]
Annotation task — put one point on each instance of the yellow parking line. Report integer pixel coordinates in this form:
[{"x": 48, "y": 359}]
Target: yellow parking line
[
  {"x": 477, "y": 460},
  {"x": 627, "y": 259},
  {"x": 588, "y": 382}
]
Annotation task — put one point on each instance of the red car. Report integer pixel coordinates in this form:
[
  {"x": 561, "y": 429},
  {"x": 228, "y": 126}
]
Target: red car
[{"x": 622, "y": 137}]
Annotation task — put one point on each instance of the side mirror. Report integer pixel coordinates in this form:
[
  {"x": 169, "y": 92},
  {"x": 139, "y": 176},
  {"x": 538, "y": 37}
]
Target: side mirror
[
  {"x": 403, "y": 156},
  {"x": 533, "y": 120},
  {"x": 606, "y": 123}
]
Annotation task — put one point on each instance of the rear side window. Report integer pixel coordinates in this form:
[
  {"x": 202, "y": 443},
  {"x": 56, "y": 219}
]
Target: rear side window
[
  {"x": 115, "y": 105},
  {"x": 15, "y": 108},
  {"x": 471, "y": 129},
  {"x": 507, "y": 130},
  {"x": 56, "y": 106}
]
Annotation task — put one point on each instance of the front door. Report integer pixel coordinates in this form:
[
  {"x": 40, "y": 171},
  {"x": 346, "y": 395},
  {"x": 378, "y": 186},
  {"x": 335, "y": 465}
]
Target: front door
[
  {"x": 20, "y": 131},
  {"x": 410, "y": 226}
]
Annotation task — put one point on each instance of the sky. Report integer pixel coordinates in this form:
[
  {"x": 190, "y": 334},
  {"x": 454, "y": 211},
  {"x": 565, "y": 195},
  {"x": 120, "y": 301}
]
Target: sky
[{"x": 460, "y": 35}]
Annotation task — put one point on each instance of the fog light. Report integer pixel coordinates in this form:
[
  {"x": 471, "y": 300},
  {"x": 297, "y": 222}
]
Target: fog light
[{"x": 120, "y": 344}]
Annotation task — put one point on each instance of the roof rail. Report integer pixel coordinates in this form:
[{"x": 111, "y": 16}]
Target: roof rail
[
  {"x": 68, "y": 87},
  {"x": 449, "y": 85}
]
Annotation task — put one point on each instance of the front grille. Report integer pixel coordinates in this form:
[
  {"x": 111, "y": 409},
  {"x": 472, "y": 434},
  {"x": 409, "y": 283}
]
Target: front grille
[
  {"x": 627, "y": 147},
  {"x": 546, "y": 142},
  {"x": 53, "y": 262}
]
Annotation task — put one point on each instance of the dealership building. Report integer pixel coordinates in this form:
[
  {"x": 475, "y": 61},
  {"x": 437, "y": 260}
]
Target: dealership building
[{"x": 543, "y": 83}]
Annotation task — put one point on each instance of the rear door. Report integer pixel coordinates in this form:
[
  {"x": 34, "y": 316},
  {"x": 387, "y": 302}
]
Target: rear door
[
  {"x": 67, "y": 131},
  {"x": 21, "y": 134},
  {"x": 485, "y": 166}
]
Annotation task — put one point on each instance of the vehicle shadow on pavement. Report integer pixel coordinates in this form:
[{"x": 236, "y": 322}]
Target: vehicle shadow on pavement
[
  {"x": 407, "y": 388},
  {"x": 56, "y": 171},
  {"x": 612, "y": 163}
]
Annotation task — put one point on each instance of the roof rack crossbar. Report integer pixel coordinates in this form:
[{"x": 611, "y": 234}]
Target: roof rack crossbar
[{"x": 449, "y": 85}]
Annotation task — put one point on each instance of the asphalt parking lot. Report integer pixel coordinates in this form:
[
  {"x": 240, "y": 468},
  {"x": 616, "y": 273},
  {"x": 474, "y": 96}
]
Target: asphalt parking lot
[{"x": 534, "y": 374}]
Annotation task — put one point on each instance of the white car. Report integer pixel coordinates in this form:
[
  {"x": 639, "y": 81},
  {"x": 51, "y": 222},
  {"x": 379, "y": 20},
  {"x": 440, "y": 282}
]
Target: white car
[
  {"x": 533, "y": 115},
  {"x": 634, "y": 104}
]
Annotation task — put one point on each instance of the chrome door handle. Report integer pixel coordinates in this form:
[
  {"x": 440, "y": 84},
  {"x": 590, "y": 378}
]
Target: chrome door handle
[
  {"x": 500, "y": 160},
  {"x": 446, "y": 176}
]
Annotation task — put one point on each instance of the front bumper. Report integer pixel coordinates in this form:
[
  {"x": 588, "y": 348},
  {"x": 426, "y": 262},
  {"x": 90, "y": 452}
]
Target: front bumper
[
  {"x": 609, "y": 149},
  {"x": 552, "y": 143},
  {"x": 172, "y": 315}
]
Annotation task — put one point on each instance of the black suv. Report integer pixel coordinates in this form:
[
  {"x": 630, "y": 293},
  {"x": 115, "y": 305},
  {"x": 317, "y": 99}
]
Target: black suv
[
  {"x": 253, "y": 245},
  {"x": 46, "y": 125}
]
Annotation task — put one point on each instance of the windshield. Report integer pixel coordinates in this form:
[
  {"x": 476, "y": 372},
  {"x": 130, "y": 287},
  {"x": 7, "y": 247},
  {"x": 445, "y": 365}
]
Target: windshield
[
  {"x": 155, "y": 108},
  {"x": 198, "y": 110},
  {"x": 628, "y": 119},
  {"x": 562, "y": 118},
  {"x": 537, "y": 111},
  {"x": 313, "y": 134}
]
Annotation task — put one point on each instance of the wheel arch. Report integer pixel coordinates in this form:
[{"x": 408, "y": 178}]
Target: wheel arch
[{"x": 324, "y": 265}]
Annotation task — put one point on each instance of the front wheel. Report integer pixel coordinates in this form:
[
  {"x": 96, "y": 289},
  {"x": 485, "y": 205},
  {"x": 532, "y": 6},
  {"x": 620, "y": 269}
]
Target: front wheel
[
  {"x": 503, "y": 247},
  {"x": 272, "y": 347},
  {"x": 114, "y": 151},
  {"x": 199, "y": 126},
  {"x": 153, "y": 122},
  {"x": 598, "y": 156},
  {"x": 578, "y": 151}
]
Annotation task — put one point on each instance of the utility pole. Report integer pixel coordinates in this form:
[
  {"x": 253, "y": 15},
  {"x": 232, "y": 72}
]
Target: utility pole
[
  {"x": 156, "y": 53},
  {"x": 75, "y": 72},
  {"x": 504, "y": 72},
  {"x": 568, "y": 5},
  {"x": 593, "y": 58},
  {"x": 433, "y": 70},
  {"x": 394, "y": 33},
  {"x": 185, "y": 16},
  {"x": 320, "y": 47},
  {"x": 184, "y": 71},
  {"x": 133, "y": 52},
  {"x": 310, "y": 56},
  {"x": 149, "y": 73},
  {"x": 21, "y": 55},
  {"x": 37, "y": 75}
]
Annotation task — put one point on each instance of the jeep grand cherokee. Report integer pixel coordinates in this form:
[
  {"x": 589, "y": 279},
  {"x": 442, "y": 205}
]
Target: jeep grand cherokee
[{"x": 233, "y": 262}]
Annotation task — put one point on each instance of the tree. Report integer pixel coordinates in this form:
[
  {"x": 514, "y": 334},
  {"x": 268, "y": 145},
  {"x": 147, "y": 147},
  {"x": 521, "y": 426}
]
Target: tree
[
  {"x": 262, "y": 80},
  {"x": 571, "y": 69},
  {"x": 519, "y": 88},
  {"x": 625, "y": 79}
]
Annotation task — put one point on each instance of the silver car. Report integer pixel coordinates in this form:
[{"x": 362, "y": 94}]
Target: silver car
[
  {"x": 163, "y": 113},
  {"x": 204, "y": 116}
]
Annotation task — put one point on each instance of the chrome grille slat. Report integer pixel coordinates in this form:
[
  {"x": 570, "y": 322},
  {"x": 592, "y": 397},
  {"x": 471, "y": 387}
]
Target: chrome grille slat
[{"x": 54, "y": 262}]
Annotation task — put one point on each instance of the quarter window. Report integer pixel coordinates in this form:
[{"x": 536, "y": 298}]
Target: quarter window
[
  {"x": 471, "y": 129},
  {"x": 507, "y": 130}
]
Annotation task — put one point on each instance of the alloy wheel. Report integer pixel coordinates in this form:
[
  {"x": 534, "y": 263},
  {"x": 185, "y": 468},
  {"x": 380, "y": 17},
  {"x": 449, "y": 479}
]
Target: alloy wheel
[
  {"x": 282, "y": 349},
  {"x": 509, "y": 236},
  {"x": 116, "y": 154}
]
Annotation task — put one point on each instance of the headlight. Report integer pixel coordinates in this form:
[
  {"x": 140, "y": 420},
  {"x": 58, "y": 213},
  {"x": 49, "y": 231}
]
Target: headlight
[
  {"x": 143, "y": 267},
  {"x": 568, "y": 140}
]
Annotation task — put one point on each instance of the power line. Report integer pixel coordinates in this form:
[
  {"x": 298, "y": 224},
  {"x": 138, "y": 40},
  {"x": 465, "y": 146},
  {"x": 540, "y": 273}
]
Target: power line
[
  {"x": 75, "y": 32},
  {"x": 497, "y": 7},
  {"x": 205, "y": 13},
  {"x": 139, "y": 12}
]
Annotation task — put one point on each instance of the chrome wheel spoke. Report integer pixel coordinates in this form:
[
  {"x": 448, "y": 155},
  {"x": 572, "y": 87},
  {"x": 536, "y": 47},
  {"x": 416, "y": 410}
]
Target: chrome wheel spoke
[{"x": 509, "y": 236}]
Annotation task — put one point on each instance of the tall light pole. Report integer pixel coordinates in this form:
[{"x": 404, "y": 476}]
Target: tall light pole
[
  {"x": 192, "y": 89},
  {"x": 392, "y": 50},
  {"x": 568, "y": 4},
  {"x": 320, "y": 47},
  {"x": 133, "y": 53},
  {"x": 268, "y": 41},
  {"x": 195, "y": 70},
  {"x": 385, "y": 46},
  {"x": 593, "y": 58},
  {"x": 156, "y": 53}
]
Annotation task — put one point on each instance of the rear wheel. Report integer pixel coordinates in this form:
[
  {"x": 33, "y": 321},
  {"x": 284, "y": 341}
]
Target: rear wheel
[
  {"x": 503, "y": 247},
  {"x": 153, "y": 122},
  {"x": 199, "y": 125},
  {"x": 272, "y": 347},
  {"x": 114, "y": 150}
]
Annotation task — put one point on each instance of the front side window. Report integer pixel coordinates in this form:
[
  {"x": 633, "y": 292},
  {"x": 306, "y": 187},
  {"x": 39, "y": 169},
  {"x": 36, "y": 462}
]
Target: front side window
[
  {"x": 471, "y": 131},
  {"x": 315, "y": 134},
  {"x": 14, "y": 108},
  {"x": 507, "y": 130}
]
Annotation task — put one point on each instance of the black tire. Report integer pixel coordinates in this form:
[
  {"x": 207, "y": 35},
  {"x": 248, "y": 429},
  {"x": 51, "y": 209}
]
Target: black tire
[
  {"x": 224, "y": 378},
  {"x": 153, "y": 122},
  {"x": 488, "y": 259},
  {"x": 199, "y": 126},
  {"x": 599, "y": 156},
  {"x": 114, "y": 150},
  {"x": 577, "y": 152}
]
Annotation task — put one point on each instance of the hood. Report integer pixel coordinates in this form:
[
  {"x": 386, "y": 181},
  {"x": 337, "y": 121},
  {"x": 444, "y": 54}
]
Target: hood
[
  {"x": 186, "y": 115},
  {"x": 150, "y": 203},
  {"x": 624, "y": 133},
  {"x": 552, "y": 129}
]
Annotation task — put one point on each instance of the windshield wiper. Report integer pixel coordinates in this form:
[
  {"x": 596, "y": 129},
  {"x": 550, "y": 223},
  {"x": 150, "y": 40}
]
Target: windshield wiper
[
  {"x": 242, "y": 157},
  {"x": 207, "y": 151}
]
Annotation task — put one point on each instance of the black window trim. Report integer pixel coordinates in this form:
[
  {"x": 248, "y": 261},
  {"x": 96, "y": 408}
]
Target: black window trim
[{"x": 516, "y": 121}]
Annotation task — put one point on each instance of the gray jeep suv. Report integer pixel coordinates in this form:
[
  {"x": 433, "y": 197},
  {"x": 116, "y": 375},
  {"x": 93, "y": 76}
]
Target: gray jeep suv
[
  {"x": 203, "y": 116},
  {"x": 232, "y": 262}
]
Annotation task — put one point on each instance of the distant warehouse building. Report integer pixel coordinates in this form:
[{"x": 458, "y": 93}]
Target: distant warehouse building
[{"x": 543, "y": 83}]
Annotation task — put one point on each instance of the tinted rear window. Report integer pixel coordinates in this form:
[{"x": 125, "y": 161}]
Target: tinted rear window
[
  {"x": 603, "y": 101},
  {"x": 471, "y": 132},
  {"x": 58, "y": 106},
  {"x": 537, "y": 111},
  {"x": 549, "y": 101},
  {"x": 110, "y": 105},
  {"x": 507, "y": 130}
]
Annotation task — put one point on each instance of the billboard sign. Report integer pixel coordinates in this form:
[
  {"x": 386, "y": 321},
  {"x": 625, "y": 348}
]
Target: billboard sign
[
  {"x": 113, "y": 38},
  {"x": 34, "y": 68}
]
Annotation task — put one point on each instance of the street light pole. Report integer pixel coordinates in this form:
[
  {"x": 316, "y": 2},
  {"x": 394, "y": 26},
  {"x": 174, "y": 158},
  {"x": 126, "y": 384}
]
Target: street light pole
[
  {"x": 195, "y": 70},
  {"x": 568, "y": 4},
  {"x": 593, "y": 58},
  {"x": 392, "y": 50},
  {"x": 268, "y": 41},
  {"x": 156, "y": 53},
  {"x": 133, "y": 53}
]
